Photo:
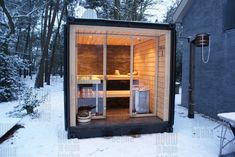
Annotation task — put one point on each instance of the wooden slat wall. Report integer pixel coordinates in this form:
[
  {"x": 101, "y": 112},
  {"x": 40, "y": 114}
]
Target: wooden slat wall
[
  {"x": 144, "y": 64},
  {"x": 161, "y": 77}
]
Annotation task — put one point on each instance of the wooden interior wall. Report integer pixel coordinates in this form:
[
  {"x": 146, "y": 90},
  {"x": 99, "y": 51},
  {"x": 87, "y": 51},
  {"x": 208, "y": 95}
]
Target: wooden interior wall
[
  {"x": 90, "y": 59},
  {"x": 118, "y": 58},
  {"x": 161, "y": 77},
  {"x": 144, "y": 64}
]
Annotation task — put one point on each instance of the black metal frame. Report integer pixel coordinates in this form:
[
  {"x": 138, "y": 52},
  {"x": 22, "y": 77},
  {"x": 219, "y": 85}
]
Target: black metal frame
[
  {"x": 172, "y": 78},
  {"x": 66, "y": 78},
  {"x": 165, "y": 126}
]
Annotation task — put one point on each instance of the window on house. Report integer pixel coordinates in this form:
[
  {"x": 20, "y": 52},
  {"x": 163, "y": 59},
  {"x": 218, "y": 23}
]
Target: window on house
[{"x": 229, "y": 15}]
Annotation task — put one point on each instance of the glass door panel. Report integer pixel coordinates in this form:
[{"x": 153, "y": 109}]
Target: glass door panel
[
  {"x": 90, "y": 74},
  {"x": 118, "y": 75},
  {"x": 143, "y": 76}
]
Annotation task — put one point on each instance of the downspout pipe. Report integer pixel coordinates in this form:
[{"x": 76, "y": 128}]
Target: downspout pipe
[
  {"x": 191, "y": 90},
  {"x": 200, "y": 40}
]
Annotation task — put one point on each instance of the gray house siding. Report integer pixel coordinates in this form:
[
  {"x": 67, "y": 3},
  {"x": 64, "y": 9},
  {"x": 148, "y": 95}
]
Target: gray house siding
[{"x": 214, "y": 81}]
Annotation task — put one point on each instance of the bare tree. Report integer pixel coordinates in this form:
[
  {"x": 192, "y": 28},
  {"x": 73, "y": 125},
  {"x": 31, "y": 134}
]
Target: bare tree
[
  {"x": 11, "y": 26},
  {"x": 10, "y": 20},
  {"x": 54, "y": 46},
  {"x": 171, "y": 11},
  {"x": 117, "y": 9},
  {"x": 49, "y": 22}
]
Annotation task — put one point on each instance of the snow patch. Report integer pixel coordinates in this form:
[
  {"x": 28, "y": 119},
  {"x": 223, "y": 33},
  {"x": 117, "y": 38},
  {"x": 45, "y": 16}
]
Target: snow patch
[{"x": 46, "y": 136}]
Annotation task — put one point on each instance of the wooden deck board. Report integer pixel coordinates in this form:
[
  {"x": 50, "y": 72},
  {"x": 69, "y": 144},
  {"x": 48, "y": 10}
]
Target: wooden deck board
[{"x": 119, "y": 123}]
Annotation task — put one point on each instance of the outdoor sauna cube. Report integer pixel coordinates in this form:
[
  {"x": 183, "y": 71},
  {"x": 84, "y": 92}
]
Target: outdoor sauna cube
[{"x": 104, "y": 61}]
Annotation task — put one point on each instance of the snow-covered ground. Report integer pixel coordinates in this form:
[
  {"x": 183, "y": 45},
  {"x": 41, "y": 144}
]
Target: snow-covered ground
[
  {"x": 7, "y": 122},
  {"x": 46, "y": 137}
]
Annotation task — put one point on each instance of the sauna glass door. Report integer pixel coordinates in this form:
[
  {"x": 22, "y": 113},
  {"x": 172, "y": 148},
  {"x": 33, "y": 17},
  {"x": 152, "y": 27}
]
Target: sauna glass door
[
  {"x": 118, "y": 75},
  {"x": 91, "y": 74},
  {"x": 143, "y": 76}
]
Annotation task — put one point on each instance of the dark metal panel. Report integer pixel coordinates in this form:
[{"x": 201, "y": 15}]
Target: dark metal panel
[
  {"x": 117, "y": 23},
  {"x": 118, "y": 130},
  {"x": 229, "y": 15},
  {"x": 66, "y": 78},
  {"x": 172, "y": 77}
]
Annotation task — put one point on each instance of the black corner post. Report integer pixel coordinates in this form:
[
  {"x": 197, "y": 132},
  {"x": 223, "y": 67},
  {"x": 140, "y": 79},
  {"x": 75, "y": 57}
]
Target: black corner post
[{"x": 200, "y": 40}]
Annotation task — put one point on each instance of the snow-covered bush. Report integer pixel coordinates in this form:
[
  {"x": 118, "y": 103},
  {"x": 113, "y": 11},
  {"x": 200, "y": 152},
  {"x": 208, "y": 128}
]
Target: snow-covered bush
[
  {"x": 28, "y": 101},
  {"x": 10, "y": 82}
]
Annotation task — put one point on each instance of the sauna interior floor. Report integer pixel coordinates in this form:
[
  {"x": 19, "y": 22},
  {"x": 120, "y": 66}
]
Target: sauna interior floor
[{"x": 119, "y": 116}]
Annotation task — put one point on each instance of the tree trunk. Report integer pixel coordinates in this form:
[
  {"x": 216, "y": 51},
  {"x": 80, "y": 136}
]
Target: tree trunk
[
  {"x": 27, "y": 40},
  {"x": 117, "y": 9},
  {"x": 18, "y": 40},
  {"x": 54, "y": 46},
  {"x": 46, "y": 51},
  {"x": 44, "y": 61},
  {"x": 30, "y": 52},
  {"x": 10, "y": 20},
  {"x": 11, "y": 26},
  {"x": 20, "y": 72},
  {"x": 134, "y": 11},
  {"x": 26, "y": 48},
  {"x": 50, "y": 28},
  {"x": 39, "y": 78},
  {"x": 61, "y": 62},
  {"x": 25, "y": 73}
]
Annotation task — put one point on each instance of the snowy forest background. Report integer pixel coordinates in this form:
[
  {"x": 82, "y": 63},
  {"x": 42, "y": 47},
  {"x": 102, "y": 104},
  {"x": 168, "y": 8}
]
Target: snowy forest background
[{"x": 31, "y": 36}]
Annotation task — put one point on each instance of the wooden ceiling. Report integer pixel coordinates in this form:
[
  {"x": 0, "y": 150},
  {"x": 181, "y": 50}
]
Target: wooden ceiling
[
  {"x": 93, "y": 39},
  {"x": 94, "y": 35}
]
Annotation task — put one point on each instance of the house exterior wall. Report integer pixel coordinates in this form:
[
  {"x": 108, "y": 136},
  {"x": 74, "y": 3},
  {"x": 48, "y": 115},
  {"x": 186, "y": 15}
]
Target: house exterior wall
[{"x": 214, "y": 81}]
